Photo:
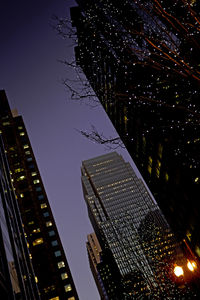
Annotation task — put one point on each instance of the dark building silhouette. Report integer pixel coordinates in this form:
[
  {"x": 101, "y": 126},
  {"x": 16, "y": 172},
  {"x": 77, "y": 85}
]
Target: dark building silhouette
[
  {"x": 52, "y": 272},
  {"x": 17, "y": 279},
  {"x": 138, "y": 250},
  {"x": 97, "y": 265},
  {"x": 141, "y": 59}
]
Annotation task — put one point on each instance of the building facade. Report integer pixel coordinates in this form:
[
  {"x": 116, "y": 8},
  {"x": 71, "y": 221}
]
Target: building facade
[
  {"x": 141, "y": 59},
  {"x": 53, "y": 274},
  {"x": 17, "y": 278},
  {"x": 96, "y": 263},
  {"x": 138, "y": 249}
]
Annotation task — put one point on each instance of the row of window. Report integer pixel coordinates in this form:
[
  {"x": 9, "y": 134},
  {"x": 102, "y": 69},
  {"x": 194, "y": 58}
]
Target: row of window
[
  {"x": 22, "y": 177},
  {"x": 58, "y": 254},
  {"x": 51, "y": 233}
]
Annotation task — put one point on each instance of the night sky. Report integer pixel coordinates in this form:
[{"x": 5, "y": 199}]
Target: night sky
[{"x": 31, "y": 76}]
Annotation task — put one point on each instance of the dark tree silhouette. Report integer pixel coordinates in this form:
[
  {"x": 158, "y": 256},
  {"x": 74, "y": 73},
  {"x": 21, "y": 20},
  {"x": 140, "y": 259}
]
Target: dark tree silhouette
[{"x": 158, "y": 39}]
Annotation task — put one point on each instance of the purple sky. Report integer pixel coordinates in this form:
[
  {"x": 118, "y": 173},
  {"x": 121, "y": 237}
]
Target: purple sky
[{"x": 31, "y": 77}]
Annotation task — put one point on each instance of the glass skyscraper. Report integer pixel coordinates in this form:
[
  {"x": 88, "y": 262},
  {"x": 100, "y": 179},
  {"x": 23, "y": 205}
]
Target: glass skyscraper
[
  {"x": 17, "y": 278},
  {"x": 52, "y": 272},
  {"x": 137, "y": 244}
]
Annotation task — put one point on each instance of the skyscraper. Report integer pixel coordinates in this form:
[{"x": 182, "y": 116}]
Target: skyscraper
[
  {"x": 49, "y": 261},
  {"x": 138, "y": 247},
  {"x": 17, "y": 279},
  {"x": 141, "y": 58},
  {"x": 95, "y": 260}
]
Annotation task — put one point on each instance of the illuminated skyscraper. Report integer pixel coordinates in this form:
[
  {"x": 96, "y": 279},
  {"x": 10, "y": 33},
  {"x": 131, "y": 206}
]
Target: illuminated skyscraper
[
  {"x": 48, "y": 258},
  {"x": 138, "y": 249},
  {"x": 17, "y": 279},
  {"x": 142, "y": 60}
]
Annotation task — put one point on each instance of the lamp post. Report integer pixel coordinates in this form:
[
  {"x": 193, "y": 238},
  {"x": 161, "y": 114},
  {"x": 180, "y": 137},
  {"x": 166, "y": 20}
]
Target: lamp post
[
  {"x": 178, "y": 271},
  {"x": 186, "y": 276},
  {"x": 191, "y": 265}
]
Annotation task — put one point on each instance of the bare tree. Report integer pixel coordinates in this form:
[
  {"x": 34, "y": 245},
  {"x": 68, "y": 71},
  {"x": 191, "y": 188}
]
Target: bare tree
[
  {"x": 109, "y": 142},
  {"x": 168, "y": 43}
]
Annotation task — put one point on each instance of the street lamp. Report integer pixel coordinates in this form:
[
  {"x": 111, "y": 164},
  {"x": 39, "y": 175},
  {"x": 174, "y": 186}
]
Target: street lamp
[
  {"x": 178, "y": 271},
  {"x": 191, "y": 265}
]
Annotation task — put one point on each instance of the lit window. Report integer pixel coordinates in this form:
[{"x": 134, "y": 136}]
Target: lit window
[
  {"x": 71, "y": 298},
  {"x": 38, "y": 188},
  {"x": 40, "y": 197},
  {"x": 36, "y": 230},
  {"x": 49, "y": 288},
  {"x": 21, "y": 195},
  {"x": 160, "y": 150},
  {"x": 158, "y": 172},
  {"x": 31, "y": 223},
  {"x": 27, "y": 152},
  {"x": 12, "y": 149},
  {"x": 150, "y": 160},
  {"x": 149, "y": 169},
  {"x": 48, "y": 224},
  {"x": 166, "y": 177},
  {"x": 36, "y": 279},
  {"x": 68, "y": 288},
  {"x": 33, "y": 173},
  {"x": 26, "y": 146},
  {"x": 20, "y": 127},
  {"x": 6, "y": 123},
  {"x": 38, "y": 242},
  {"x": 158, "y": 164},
  {"x": 54, "y": 243},
  {"x": 21, "y": 178},
  {"x": 43, "y": 205},
  {"x": 36, "y": 181},
  {"x": 19, "y": 170},
  {"x": 55, "y": 298},
  {"x": 57, "y": 253},
  {"x": 61, "y": 264},
  {"x": 22, "y": 133},
  {"x": 29, "y": 159},
  {"x": 46, "y": 214},
  {"x": 51, "y": 233},
  {"x": 64, "y": 276}
]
